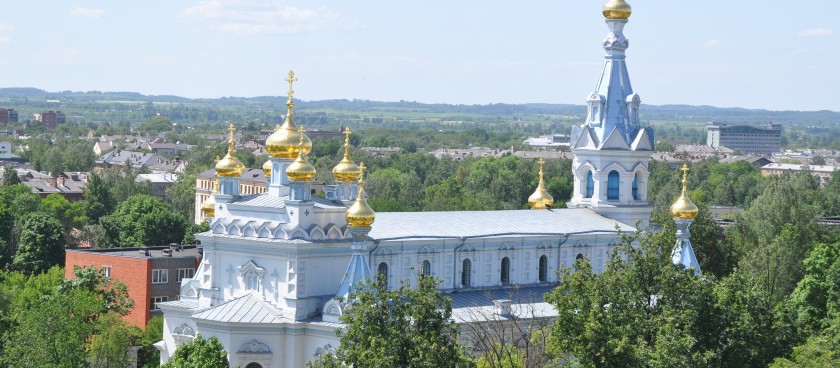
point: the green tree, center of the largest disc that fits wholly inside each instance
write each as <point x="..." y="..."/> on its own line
<point x="10" y="176"/>
<point x="816" y="298"/>
<point x="111" y="294"/>
<point x="199" y="353"/>
<point x="41" y="244"/>
<point x="821" y="350"/>
<point x="408" y="327"/>
<point x="149" y="356"/>
<point x="111" y="341"/>
<point x="52" y="332"/>
<point x="182" y="196"/>
<point x="143" y="220"/>
<point x="98" y="200"/>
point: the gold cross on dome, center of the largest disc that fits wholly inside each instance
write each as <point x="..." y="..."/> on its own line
<point x="291" y="79"/>
<point x="346" y="135"/>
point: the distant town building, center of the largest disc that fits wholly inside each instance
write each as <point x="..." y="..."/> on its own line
<point x="823" y="172"/>
<point x="764" y="140"/>
<point x="553" y="141"/>
<point x="102" y="147"/>
<point x="50" y="118"/>
<point x="70" y="185"/>
<point x="121" y="158"/>
<point x="8" y="116"/>
<point x="153" y="275"/>
<point x="754" y="160"/>
<point x="252" y="181"/>
<point x="159" y="182"/>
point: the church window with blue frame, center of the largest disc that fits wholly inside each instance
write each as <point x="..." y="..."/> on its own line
<point x="382" y="273"/>
<point x="612" y="185"/>
<point x="543" y="269"/>
<point x="505" y="276"/>
<point x="590" y="185"/>
<point x="427" y="268"/>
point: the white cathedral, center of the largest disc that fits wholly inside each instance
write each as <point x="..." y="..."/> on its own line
<point x="276" y="264"/>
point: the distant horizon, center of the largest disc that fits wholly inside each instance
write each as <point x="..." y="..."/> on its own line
<point x="406" y="101"/>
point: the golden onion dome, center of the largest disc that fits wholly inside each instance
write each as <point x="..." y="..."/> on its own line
<point x="301" y="169"/>
<point x="230" y="166"/>
<point x="541" y="199"/>
<point x="266" y="168"/>
<point x="684" y="208"/>
<point x="360" y="214"/>
<point x="617" y="9"/>
<point x="346" y="170"/>
<point x="208" y="208"/>
<point x="285" y="141"/>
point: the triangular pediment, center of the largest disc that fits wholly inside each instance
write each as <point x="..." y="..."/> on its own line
<point x="643" y="141"/>
<point x="586" y="139"/>
<point x="615" y="141"/>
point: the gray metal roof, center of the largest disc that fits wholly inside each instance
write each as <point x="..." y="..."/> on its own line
<point x="516" y="294"/>
<point x="474" y="224"/>
<point x="249" y="308"/>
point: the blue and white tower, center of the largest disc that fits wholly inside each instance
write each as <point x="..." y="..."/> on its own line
<point x="612" y="150"/>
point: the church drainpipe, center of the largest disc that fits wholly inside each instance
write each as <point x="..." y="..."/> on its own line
<point x="560" y="244"/>
<point x="455" y="262"/>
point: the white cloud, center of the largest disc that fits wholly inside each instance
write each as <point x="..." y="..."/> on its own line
<point x="816" y="32"/>
<point x="87" y="13"/>
<point x="254" y="17"/>
<point x="711" y="43"/>
<point x="5" y="30"/>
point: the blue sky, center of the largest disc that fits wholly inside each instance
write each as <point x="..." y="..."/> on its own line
<point x="773" y="55"/>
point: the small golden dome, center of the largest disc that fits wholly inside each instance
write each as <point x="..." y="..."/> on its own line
<point x="360" y="214"/>
<point x="617" y="9"/>
<point x="684" y="208"/>
<point x="284" y="142"/>
<point x="230" y="166"/>
<point x="541" y="199"/>
<point x="301" y="169"/>
<point x="266" y="168"/>
<point x="208" y="208"/>
<point x="346" y="170"/>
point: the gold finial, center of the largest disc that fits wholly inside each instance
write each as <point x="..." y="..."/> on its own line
<point x="230" y="165"/>
<point x="617" y="9"/>
<point x="360" y="215"/>
<point x="232" y="129"/>
<point x="346" y="170"/>
<point x="684" y="208"/>
<point x="541" y="199"/>
<point x="277" y="127"/>
<point x="301" y="169"/>
<point x="291" y="79"/>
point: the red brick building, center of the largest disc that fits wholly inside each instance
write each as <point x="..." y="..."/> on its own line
<point x="8" y="116"/>
<point x="152" y="274"/>
<point x="50" y="118"/>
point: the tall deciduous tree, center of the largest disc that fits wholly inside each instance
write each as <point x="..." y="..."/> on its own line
<point x="41" y="244"/>
<point x="143" y="220"/>
<point x="10" y="176"/>
<point x="98" y="200"/>
<point x="199" y="353"/>
<point x="408" y="327"/>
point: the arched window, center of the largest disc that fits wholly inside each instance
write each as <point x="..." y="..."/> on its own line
<point x="579" y="256"/>
<point x="382" y="273"/>
<point x="590" y="185"/>
<point x="612" y="185"/>
<point x="466" y="269"/>
<point x="636" y="187"/>
<point x="543" y="269"/>
<point x="427" y="268"/>
<point x="253" y="365"/>
<point x="505" y="275"/>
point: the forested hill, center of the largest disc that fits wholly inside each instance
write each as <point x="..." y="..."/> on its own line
<point x="687" y="113"/>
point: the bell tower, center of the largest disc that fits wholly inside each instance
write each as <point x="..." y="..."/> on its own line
<point x="611" y="148"/>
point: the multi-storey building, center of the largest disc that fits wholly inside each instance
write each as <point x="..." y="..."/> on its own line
<point x="153" y="274"/>
<point x="822" y="172"/>
<point x="8" y="116"/>
<point x="764" y="140"/>
<point x="50" y="118"/>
